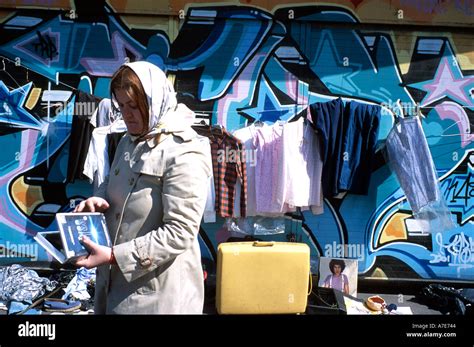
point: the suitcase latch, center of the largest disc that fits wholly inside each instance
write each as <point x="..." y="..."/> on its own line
<point x="263" y="244"/>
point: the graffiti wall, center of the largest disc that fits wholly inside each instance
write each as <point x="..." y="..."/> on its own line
<point x="236" y="64"/>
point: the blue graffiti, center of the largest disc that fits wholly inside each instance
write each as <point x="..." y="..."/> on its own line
<point x="242" y="64"/>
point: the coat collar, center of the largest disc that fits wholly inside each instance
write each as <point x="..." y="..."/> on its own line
<point x="185" y="134"/>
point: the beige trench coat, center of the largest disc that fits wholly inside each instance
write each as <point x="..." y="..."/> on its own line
<point x="157" y="192"/>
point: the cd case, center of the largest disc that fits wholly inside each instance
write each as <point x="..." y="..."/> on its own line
<point x="71" y="227"/>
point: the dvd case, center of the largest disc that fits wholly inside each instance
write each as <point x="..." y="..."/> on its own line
<point x="72" y="226"/>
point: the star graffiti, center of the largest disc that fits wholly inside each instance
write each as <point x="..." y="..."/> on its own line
<point x="12" y="112"/>
<point x="269" y="108"/>
<point x="448" y="81"/>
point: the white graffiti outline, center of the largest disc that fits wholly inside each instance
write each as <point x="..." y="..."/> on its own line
<point x="459" y="252"/>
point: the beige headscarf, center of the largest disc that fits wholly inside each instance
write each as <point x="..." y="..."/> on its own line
<point x="160" y="94"/>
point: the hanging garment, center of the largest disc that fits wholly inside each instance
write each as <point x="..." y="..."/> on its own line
<point x="358" y="147"/>
<point x="348" y="136"/>
<point x="287" y="170"/>
<point x="410" y="159"/>
<point x="97" y="163"/>
<point x="209" y="215"/>
<point x="237" y="197"/>
<point x="328" y="120"/>
<point x="113" y="140"/>
<point x="300" y="179"/>
<point x="210" y="208"/>
<point x="81" y="134"/>
<point x="104" y="114"/>
<point x="268" y="143"/>
<point x="246" y="135"/>
<point x="228" y="167"/>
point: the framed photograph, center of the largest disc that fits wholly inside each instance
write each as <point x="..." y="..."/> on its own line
<point x="339" y="274"/>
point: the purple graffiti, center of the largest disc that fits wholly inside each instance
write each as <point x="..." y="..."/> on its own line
<point x="448" y="81"/>
<point x="451" y="110"/>
<point x="105" y="67"/>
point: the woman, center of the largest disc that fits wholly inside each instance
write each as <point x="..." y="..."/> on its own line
<point x="153" y="201"/>
<point x="337" y="280"/>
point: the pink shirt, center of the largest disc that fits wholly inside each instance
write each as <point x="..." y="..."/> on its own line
<point x="269" y="146"/>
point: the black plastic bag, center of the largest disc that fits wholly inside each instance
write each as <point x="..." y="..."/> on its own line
<point x="448" y="300"/>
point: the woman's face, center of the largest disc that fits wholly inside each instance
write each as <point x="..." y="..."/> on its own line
<point x="337" y="269"/>
<point x="130" y="112"/>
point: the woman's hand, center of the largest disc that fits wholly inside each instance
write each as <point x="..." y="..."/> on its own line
<point x="93" y="204"/>
<point x="98" y="255"/>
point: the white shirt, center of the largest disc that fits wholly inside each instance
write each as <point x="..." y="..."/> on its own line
<point x="210" y="208"/>
<point x="246" y="135"/>
<point x="300" y="180"/>
<point x="97" y="164"/>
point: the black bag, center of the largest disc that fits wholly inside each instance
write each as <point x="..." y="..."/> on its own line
<point x="448" y="300"/>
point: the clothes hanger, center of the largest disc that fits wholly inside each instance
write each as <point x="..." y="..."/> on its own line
<point x="258" y="123"/>
<point x="201" y="119"/>
<point x="218" y="128"/>
<point x="202" y="128"/>
<point x="280" y="123"/>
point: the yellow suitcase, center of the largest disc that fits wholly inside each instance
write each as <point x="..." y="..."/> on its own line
<point x="262" y="277"/>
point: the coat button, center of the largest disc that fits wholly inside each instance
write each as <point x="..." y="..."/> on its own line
<point x="116" y="172"/>
<point x="131" y="180"/>
<point x="145" y="262"/>
<point x="117" y="216"/>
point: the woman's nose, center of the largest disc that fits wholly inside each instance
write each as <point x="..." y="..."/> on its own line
<point x="126" y="112"/>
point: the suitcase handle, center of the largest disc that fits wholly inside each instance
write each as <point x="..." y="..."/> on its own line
<point x="263" y="244"/>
